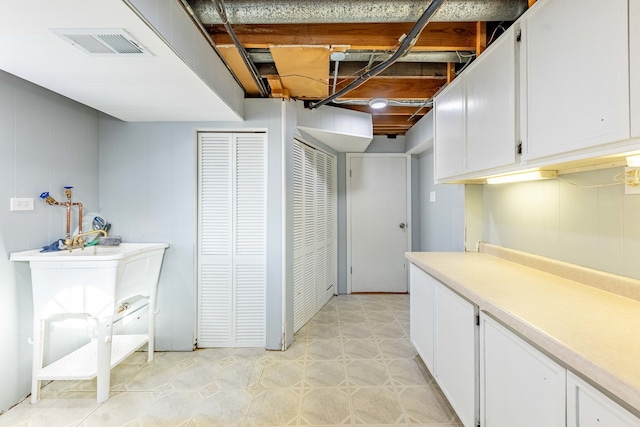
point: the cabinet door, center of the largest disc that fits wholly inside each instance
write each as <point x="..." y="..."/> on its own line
<point x="634" y="66"/>
<point x="519" y="386"/>
<point x="449" y="130"/>
<point x="577" y="75"/>
<point x="455" y="352"/>
<point x="587" y="407"/>
<point x="421" y="314"/>
<point x="491" y="106"/>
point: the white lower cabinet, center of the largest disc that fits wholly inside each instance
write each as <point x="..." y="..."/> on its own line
<point x="421" y="303"/>
<point x="520" y="386"/>
<point x="587" y="407"/>
<point x="444" y="332"/>
<point x="455" y="352"/>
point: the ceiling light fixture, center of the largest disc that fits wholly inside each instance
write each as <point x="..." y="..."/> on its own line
<point x="523" y="176"/>
<point x="378" y="103"/>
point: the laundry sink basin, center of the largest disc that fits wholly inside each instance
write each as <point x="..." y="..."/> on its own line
<point x="96" y="281"/>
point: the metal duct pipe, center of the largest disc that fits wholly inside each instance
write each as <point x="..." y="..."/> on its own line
<point x="404" y="47"/>
<point x="259" y="56"/>
<point x="220" y="9"/>
<point x="356" y="11"/>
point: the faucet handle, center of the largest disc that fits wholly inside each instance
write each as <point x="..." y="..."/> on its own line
<point x="44" y="195"/>
<point x="67" y="187"/>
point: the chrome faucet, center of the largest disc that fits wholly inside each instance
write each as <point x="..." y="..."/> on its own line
<point x="51" y="201"/>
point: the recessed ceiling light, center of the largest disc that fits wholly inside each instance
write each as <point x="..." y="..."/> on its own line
<point x="378" y="103"/>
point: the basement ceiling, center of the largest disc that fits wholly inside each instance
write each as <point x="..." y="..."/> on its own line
<point x="292" y="44"/>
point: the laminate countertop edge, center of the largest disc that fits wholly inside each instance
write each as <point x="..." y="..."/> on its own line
<point x="593" y="332"/>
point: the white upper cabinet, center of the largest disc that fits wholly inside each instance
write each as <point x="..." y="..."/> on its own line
<point x="634" y="58"/>
<point x="475" y="116"/>
<point x="575" y="80"/>
<point x="491" y="106"/>
<point x="449" y="130"/>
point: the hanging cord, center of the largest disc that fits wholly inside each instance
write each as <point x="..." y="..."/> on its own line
<point x="405" y="47"/>
<point x="255" y="75"/>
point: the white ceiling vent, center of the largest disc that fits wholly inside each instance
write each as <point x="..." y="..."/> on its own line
<point x="102" y="41"/>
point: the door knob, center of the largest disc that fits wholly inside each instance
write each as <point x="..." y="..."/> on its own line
<point x="402" y="225"/>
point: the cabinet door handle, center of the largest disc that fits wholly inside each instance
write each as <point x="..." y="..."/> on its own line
<point x="402" y="225"/>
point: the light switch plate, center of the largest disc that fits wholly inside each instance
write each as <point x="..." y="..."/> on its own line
<point x="432" y="196"/>
<point x="21" y="204"/>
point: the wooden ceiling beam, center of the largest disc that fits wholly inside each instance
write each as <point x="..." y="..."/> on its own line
<point x="405" y="111"/>
<point x="437" y="36"/>
<point x="399" y="69"/>
<point x="393" y="88"/>
<point x="481" y="37"/>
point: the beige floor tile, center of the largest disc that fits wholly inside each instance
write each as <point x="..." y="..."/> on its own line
<point x="324" y="331"/>
<point x="352" y="316"/>
<point x="198" y="376"/>
<point x="170" y="409"/>
<point x="211" y="354"/>
<point x="224" y="408"/>
<point x="348" y="304"/>
<point x="388" y="330"/>
<point x="279" y="374"/>
<point x="325" y="374"/>
<point x="356" y="331"/>
<point x="325" y="406"/>
<point x="122" y="409"/>
<point x="426" y="404"/>
<point x="367" y="373"/>
<point x="239" y="375"/>
<point x="152" y="377"/>
<point x="397" y="348"/>
<point x="361" y="349"/>
<point x="249" y="354"/>
<point x="274" y="407"/>
<point x="296" y="351"/>
<point x="325" y="350"/>
<point x="408" y="372"/>
<point x="376" y="405"/>
<point x="381" y="316"/>
<point x="322" y="317"/>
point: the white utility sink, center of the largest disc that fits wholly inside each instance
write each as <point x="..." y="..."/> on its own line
<point x="98" y="281"/>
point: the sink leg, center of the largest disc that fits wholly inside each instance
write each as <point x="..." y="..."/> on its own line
<point x="104" y="358"/>
<point x="152" y="328"/>
<point x="38" y="331"/>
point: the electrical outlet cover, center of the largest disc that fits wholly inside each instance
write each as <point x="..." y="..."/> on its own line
<point x="21" y="204"/>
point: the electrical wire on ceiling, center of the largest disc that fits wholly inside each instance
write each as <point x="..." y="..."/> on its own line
<point x="244" y="55"/>
<point x="405" y="46"/>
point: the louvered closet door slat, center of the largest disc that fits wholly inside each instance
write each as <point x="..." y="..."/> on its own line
<point x="215" y="306"/>
<point x="298" y="294"/>
<point x="298" y="198"/>
<point x="250" y="305"/>
<point x="321" y="198"/>
<point x="250" y="189"/>
<point x="309" y="198"/>
<point x="215" y="195"/>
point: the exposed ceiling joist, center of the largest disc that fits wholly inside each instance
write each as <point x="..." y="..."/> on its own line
<point x="395" y="88"/>
<point x="437" y="36"/>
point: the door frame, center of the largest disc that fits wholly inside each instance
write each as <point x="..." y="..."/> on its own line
<point x="347" y="170"/>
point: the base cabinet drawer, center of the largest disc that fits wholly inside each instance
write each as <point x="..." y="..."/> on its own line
<point x="520" y="386"/>
<point x="587" y="407"/>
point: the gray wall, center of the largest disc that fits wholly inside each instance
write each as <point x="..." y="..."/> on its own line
<point x="382" y="144"/>
<point x="582" y="218"/>
<point x="441" y="223"/>
<point x="46" y="142"/>
<point x="148" y="191"/>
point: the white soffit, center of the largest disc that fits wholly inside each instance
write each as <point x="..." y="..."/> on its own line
<point x="341" y="142"/>
<point x="155" y="87"/>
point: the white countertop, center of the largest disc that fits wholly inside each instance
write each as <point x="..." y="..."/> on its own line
<point x="593" y="332"/>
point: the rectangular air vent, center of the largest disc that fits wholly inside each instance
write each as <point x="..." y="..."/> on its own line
<point x="102" y="41"/>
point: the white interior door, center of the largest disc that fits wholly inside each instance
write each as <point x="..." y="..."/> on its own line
<point x="378" y="231"/>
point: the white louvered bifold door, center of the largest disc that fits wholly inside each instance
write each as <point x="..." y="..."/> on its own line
<point x="314" y="256"/>
<point x="232" y="236"/>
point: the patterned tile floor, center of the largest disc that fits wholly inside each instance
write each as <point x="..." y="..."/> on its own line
<point x="351" y="365"/>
